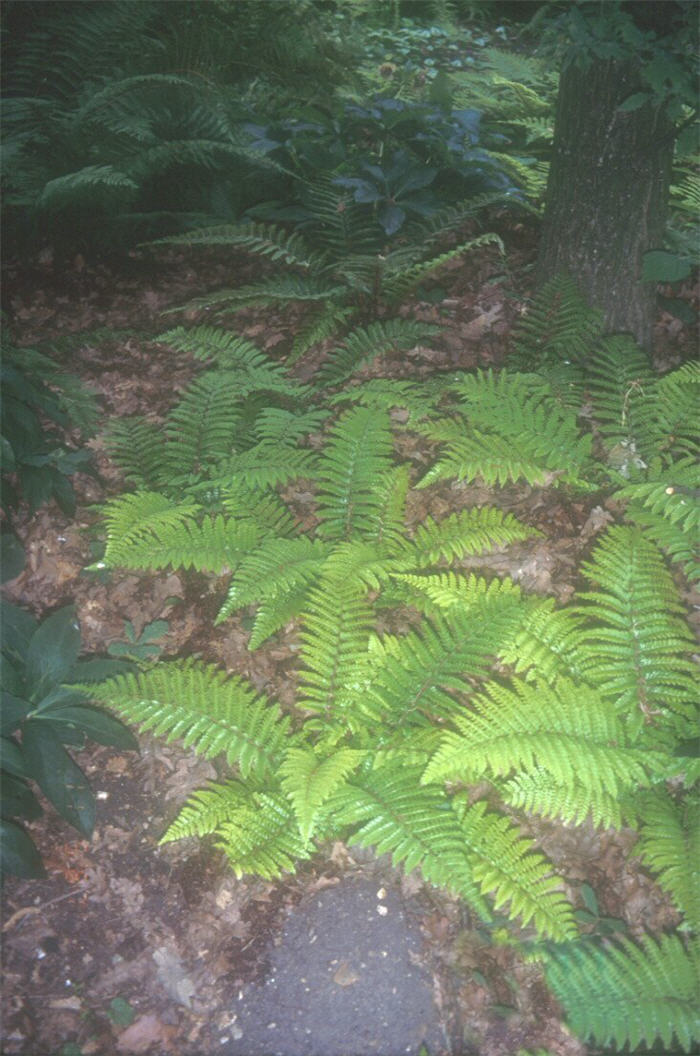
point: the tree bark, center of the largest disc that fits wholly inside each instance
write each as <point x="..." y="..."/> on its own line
<point x="607" y="193"/>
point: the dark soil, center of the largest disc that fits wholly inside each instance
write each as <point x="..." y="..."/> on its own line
<point x="132" y="947"/>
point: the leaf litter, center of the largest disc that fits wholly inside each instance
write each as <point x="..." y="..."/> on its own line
<point x="168" y="930"/>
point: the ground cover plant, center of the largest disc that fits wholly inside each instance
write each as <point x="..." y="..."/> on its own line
<point x="355" y="522"/>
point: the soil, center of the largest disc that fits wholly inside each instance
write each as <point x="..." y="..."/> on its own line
<point x="128" y="946"/>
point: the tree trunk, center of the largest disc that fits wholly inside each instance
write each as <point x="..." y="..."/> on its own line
<point x="607" y="193"/>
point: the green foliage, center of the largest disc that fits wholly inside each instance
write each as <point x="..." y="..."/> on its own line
<point x="507" y="427"/>
<point x="40" y="404"/>
<point x="628" y="993"/>
<point x="40" y="715"/>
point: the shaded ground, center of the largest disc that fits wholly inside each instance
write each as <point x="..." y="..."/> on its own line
<point x="128" y="947"/>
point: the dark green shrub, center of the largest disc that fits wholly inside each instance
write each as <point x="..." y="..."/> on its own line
<point x="40" y="717"/>
<point x="40" y="406"/>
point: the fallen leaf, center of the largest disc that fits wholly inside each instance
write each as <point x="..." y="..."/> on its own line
<point x="345" y="975"/>
<point x="145" y="1032"/>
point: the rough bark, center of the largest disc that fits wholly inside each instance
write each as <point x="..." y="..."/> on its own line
<point x="607" y="193"/>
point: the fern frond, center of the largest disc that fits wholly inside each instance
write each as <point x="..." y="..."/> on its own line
<point x="547" y="646"/>
<point x="364" y="344"/>
<point x="620" y="380"/>
<point x="93" y="179"/>
<point x="135" y="524"/>
<point x="327" y="322"/>
<point x="202" y="428"/>
<point x="635" y="634"/>
<point x="262" y="837"/>
<point x="624" y="994"/>
<point x="394" y="814"/>
<point x="309" y="781"/>
<point x="447" y="590"/>
<point x="673" y="426"/>
<point x="566" y="730"/>
<point x="336" y="625"/>
<point x="206" y="809"/>
<point x="385" y="394"/>
<point x="265" y="465"/>
<point x="224" y="349"/>
<point x="670" y="845"/>
<point x="537" y="792"/>
<point x="512" y="429"/>
<point x="262" y="239"/>
<point x="276" y="568"/>
<point x="358" y="452"/>
<point x="136" y="446"/>
<point x="468" y="532"/>
<point x="397" y="286"/>
<point x="557" y="326"/>
<point x="279" y="289"/>
<point x="667" y="506"/>
<point x="209" y="712"/>
<point x="510" y="869"/>
<point x="415" y="685"/>
<point x="275" y="425"/>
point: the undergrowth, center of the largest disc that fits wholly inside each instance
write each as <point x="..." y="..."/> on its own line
<point x="439" y="709"/>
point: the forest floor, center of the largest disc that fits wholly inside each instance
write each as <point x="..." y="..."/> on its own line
<point x="130" y="947"/>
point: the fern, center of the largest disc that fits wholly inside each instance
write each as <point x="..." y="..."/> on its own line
<point x="277" y="568"/>
<point x="566" y="732"/>
<point x="634" y="634"/>
<point x="363" y="345"/>
<point x="509" y="428"/>
<point x="261" y="836"/>
<point x="358" y="452"/>
<point x="207" y="711"/>
<point x="626" y="993"/>
<point x="670" y="846"/>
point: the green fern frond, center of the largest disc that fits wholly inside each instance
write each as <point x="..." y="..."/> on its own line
<point x="398" y="285"/>
<point x="364" y="344"/>
<point x="670" y="845"/>
<point x="547" y="646"/>
<point x="512" y="871"/>
<point x="276" y="290"/>
<point x="557" y="326"/>
<point x="448" y="590"/>
<point x="135" y="523"/>
<point x="566" y="730"/>
<point x="327" y="322"/>
<point x="206" y="809"/>
<point x="309" y="781"/>
<point x="394" y="814"/>
<point x="537" y="792"/>
<point x="202" y="428"/>
<point x="262" y="837"/>
<point x="136" y="446"/>
<point x="263" y="239"/>
<point x="357" y="453"/>
<point x="224" y="349"/>
<point x="207" y="711"/>
<point x="673" y="426"/>
<point x="468" y="532"/>
<point x="265" y="465"/>
<point x="336" y="625"/>
<point x="512" y="428"/>
<point x="620" y="381"/>
<point x="422" y="680"/>
<point x="667" y="506"/>
<point x="276" y="567"/>
<point x="275" y="425"/>
<point x="386" y="394"/>
<point x="95" y="179"/>
<point x="635" y="635"/>
<point x="625" y="994"/>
